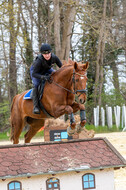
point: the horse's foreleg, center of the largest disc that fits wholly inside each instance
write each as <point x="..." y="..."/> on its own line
<point x="35" y="125"/>
<point x="72" y="121"/>
<point x="71" y="128"/>
<point x="62" y="109"/>
<point x="66" y="109"/>
<point x="83" y="118"/>
<point x="80" y="107"/>
<point x="82" y="115"/>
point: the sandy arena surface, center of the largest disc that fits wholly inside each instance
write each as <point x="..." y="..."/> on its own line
<point x="118" y="140"/>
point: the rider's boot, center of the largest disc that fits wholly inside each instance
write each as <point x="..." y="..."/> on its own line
<point x="36" y="109"/>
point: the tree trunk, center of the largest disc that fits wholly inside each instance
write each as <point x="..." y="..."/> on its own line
<point x="44" y="23"/>
<point x="12" y="52"/>
<point x="40" y="21"/>
<point x="100" y="53"/>
<point x="115" y="76"/>
<point x="69" y="18"/>
<point x="28" y="55"/>
<point x="28" y="61"/>
<point x="57" y="28"/>
<point x="1" y="98"/>
<point x="101" y="77"/>
<point x="124" y="16"/>
<point x="62" y="42"/>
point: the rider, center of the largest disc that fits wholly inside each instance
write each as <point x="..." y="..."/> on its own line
<point x="41" y="69"/>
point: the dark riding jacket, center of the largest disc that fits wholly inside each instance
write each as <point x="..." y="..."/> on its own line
<point x="41" y="65"/>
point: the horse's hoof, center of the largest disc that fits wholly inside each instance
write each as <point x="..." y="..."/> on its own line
<point x="72" y="125"/>
<point x="82" y="124"/>
<point x="79" y="128"/>
<point x="70" y="131"/>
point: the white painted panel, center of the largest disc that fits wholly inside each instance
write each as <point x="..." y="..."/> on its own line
<point x="68" y="181"/>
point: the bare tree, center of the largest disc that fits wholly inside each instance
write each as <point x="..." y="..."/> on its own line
<point x="64" y="18"/>
<point x="100" y="53"/>
<point x="12" y="52"/>
<point x="57" y="27"/>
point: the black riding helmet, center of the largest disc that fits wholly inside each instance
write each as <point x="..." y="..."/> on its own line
<point x="45" y="48"/>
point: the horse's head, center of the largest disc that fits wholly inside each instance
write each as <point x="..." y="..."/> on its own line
<point x="79" y="80"/>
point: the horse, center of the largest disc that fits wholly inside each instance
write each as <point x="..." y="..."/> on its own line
<point x="58" y="99"/>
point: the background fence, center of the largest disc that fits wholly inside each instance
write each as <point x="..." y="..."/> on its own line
<point x="109" y="116"/>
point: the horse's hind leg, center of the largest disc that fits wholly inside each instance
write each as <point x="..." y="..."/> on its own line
<point x="16" y="130"/>
<point x="17" y="122"/>
<point x="35" y="125"/>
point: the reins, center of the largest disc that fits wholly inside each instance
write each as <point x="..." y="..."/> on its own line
<point x="73" y="80"/>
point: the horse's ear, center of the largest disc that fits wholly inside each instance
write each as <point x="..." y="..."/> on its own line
<point x="86" y="65"/>
<point x="76" y="66"/>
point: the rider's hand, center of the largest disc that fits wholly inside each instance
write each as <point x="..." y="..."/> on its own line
<point x="44" y="77"/>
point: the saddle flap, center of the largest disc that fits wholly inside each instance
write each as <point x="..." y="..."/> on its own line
<point x="28" y="96"/>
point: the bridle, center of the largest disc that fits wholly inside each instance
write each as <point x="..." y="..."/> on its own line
<point x="82" y="91"/>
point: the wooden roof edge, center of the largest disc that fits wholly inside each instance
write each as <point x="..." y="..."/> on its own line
<point x="50" y="142"/>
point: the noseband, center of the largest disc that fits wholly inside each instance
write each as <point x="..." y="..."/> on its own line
<point x="82" y="91"/>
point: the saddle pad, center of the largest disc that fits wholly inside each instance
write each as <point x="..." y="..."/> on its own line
<point x="27" y="96"/>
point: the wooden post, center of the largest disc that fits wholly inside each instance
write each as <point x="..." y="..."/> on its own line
<point x="124" y="117"/>
<point x="109" y="116"/>
<point x="102" y="116"/>
<point x="117" y="115"/>
<point x="96" y="116"/>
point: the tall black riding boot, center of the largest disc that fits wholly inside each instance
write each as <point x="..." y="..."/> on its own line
<point x="36" y="109"/>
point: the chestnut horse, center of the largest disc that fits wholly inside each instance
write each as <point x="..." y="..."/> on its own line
<point x="58" y="99"/>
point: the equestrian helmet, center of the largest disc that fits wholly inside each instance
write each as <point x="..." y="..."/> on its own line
<point x="45" y="48"/>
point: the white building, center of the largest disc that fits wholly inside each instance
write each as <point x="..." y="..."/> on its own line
<point x="71" y="165"/>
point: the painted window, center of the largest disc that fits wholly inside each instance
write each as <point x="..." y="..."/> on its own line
<point x="14" y="185"/>
<point x="88" y="181"/>
<point x="53" y="184"/>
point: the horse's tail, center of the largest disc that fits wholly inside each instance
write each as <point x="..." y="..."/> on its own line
<point x="11" y="120"/>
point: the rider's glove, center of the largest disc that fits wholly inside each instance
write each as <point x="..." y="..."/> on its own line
<point x="44" y="77"/>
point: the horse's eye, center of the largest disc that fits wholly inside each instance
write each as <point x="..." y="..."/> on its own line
<point x="77" y="80"/>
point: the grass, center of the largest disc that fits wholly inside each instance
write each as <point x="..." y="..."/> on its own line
<point x="6" y="135"/>
<point x="105" y="129"/>
<point x="99" y="129"/>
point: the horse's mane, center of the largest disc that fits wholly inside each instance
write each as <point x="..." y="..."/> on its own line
<point x="62" y="68"/>
<point x="67" y="65"/>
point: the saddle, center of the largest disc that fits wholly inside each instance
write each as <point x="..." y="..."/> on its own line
<point x="28" y="96"/>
